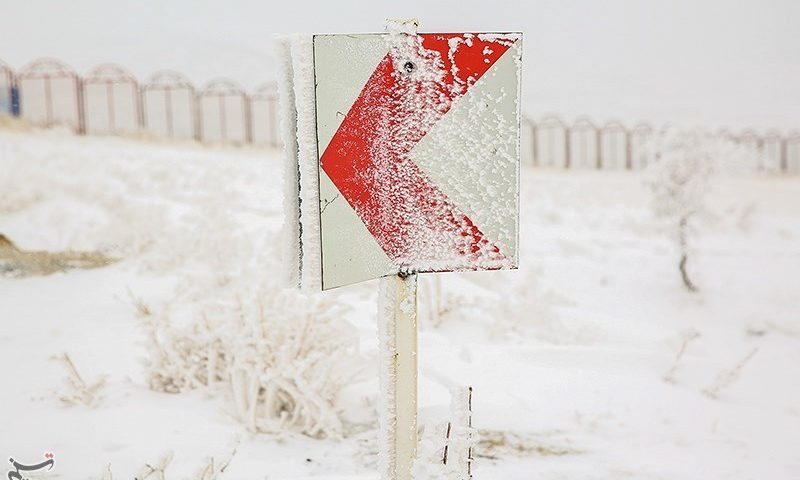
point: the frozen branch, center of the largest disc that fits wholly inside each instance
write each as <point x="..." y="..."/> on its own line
<point x="726" y="378"/>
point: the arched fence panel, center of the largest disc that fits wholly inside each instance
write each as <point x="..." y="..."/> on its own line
<point x="551" y="143"/>
<point x="772" y="152"/>
<point x="792" y="148"/>
<point x="527" y="142"/>
<point x="50" y="95"/>
<point x="751" y="144"/>
<point x="584" y="145"/>
<point x="111" y="101"/>
<point x="640" y="137"/>
<point x="264" y="115"/>
<point x="224" y="113"/>
<point x="168" y="102"/>
<point x="7" y="90"/>
<point x="615" y="147"/>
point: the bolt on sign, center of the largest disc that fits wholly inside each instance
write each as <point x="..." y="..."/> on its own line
<point x="418" y="143"/>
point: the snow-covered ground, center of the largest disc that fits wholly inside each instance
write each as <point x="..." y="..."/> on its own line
<point x="572" y="357"/>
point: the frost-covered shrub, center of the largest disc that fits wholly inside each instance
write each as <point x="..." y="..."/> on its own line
<point x="685" y="160"/>
<point x="290" y="358"/>
<point x="679" y="183"/>
<point x="284" y="355"/>
<point x="182" y="359"/>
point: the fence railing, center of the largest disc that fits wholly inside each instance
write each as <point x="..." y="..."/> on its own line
<point x="583" y="144"/>
<point x="110" y="100"/>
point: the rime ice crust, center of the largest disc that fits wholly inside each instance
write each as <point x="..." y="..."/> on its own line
<point x="292" y="255"/>
<point x="387" y="345"/>
<point x="303" y="79"/>
<point x="436" y="116"/>
<point x="397" y="344"/>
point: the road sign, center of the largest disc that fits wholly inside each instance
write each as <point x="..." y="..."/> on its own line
<point x="418" y="141"/>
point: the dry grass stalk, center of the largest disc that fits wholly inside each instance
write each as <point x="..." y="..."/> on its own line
<point x="727" y="378"/>
<point x="79" y="392"/>
<point x="157" y="472"/>
<point x="669" y="377"/>
<point x="140" y="307"/>
<point x="213" y="470"/>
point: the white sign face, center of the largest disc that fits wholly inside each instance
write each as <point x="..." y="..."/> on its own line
<point x="418" y="141"/>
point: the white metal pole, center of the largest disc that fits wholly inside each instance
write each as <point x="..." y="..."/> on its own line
<point x="398" y="377"/>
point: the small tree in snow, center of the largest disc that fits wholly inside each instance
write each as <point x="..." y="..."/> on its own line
<point x="680" y="174"/>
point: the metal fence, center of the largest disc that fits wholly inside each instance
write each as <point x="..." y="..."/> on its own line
<point x="110" y="100"/>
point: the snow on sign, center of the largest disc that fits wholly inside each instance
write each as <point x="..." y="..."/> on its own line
<point x="418" y="144"/>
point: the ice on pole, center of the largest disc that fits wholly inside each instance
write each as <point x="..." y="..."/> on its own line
<point x="397" y="344"/>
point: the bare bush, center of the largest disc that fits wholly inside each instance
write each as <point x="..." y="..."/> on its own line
<point x="685" y="160"/>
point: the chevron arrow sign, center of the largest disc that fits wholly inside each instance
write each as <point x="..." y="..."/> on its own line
<point x="418" y="143"/>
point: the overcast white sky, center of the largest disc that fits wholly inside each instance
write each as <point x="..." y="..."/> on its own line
<point x="715" y="63"/>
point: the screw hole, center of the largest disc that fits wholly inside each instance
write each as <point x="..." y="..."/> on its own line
<point x="409" y="67"/>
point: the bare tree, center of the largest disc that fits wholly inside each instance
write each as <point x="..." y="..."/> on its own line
<point x="679" y="183"/>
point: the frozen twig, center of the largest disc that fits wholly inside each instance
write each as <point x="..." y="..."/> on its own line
<point x="158" y="472"/>
<point x="446" y="442"/>
<point x="139" y="306"/>
<point x="684" y="252"/>
<point x="208" y="471"/>
<point x="78" y="391"/>
<point x="690" y="336"/>
<point x="214" y="470"/>
<point x="727" y="378"/>
<point x="228" y="461"/>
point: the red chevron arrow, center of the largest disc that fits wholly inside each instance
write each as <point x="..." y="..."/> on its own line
<point x="412" y="88"/>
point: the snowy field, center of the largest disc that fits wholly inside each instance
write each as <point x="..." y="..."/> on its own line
<point x="572" y="358"/>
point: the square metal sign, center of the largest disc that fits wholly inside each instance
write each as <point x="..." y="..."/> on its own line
<point x="418" y="143"/>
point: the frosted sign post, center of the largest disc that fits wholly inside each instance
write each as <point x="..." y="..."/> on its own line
<point x="402" y="158"/>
